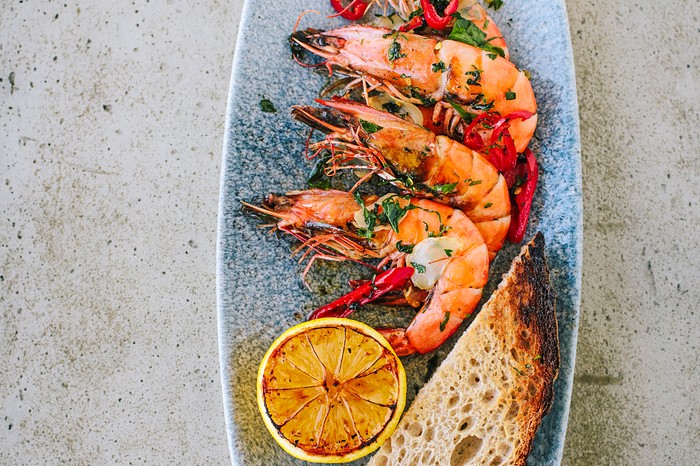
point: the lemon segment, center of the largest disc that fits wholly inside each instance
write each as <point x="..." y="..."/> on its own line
<point x="331" y="390"/>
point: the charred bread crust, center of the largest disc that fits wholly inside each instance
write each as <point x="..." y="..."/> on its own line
<point x="532" y="300"/>
<point x="539" y="312"/>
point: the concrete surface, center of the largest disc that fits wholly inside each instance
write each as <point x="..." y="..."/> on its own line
<point x="111" y="118"/>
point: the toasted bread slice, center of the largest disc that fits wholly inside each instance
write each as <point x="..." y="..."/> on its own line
<point x="486" y="400"/>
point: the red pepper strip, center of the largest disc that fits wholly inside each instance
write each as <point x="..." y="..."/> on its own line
<point x="433" y="18"/>
<point x="354" y="11"/>
<point x="520" y="212"/>
<point x="502" y="157"/>
<point x="472" y="139"/>
<point x="519" y="114"/>
<point x="416" y="22"/>
<point x="383" y="283"/>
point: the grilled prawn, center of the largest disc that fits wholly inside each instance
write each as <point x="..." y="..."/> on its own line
<point x="415" y="159"/>
<point x="445" y="249"/>
<point x="471" y="10"/>
<point x="428" y="70"/>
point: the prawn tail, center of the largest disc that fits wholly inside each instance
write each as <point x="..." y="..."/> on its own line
<point x="398" y="340"/>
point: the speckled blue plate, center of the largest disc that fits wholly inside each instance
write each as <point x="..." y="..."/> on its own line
<point x="260" y="293"/>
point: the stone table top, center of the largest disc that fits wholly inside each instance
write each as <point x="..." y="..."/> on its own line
<point x="111" y="125"/>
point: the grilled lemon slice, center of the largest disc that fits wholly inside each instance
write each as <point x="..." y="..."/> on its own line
<point x="331" y="390"/>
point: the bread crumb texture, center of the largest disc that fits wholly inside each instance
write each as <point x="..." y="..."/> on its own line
<point x="485" y="402"/>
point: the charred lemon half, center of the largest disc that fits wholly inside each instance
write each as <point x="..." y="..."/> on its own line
<point x="331" y="390"/>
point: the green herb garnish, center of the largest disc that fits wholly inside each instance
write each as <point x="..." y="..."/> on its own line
<point x="443" y="229"/>
<point x="317" y="178"/>
<point x="510" y="95"/>
<point x="370" y="127"/>
<point x="439" y="66"/>
<point x="466" y="116"/>
<point x="405" y="248"/>
<point x="481" y="104"/>
<point x="394" y="51"/>
<point x="444" y="321"/>
<point x="413" y="14"/>
<point x="495" y="4"/>
<point x="267" y="106"/>
<point x="393" y="212"/>
<point x="476" y="73"/>
<point x="420" y="268"/>
<point x="469" y="33"/>
<point x="444" y="188"/>
<point x="369" y="216"/>
<point x="391" y="107"/>
<point x="415" y="93"/>
<point x="449" y="252"/>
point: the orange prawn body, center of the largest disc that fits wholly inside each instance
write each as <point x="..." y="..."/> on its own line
<point x="447" y="251"/>
<point x="438" y="166"/>
<point x="429" y="69"/>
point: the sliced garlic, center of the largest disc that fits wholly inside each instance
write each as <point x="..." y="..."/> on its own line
<point x="430" y="258"/>
<point x="407" y="110"/>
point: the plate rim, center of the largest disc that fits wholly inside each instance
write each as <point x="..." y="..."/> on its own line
<point x="575" y="146"/>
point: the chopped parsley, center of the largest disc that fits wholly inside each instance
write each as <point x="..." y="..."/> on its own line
<point x="439" y="66"/>
<point x="495" y="4"/>
<point x="466" y="116"/>
<point x="267" y="106"/>
<point x="487" y="205"/>
<point x="393" y="212"/>
<point x="469" y="33"/>
<point x="443" y="229"/>
<point x="413" y="14"/>
<point x="394" y="52"/>
<point x="317" y="178"/>
<point x="492" y="56"/>
<point x="369" y="216"/>
<point x="420" y="268"/>
<point x="370" y="127"/>
<point x="406" y="180"/>
<point x="405" y="248"/>
<point x="481" y="104"/>
<point x="444" y="321"/>
<point x="449" y="252"/>
<point x="510" y="95"/>
<point x="415" y="93"/>
<point x="391" y="107"/>
<point x="476" y="76"/>
<point x="472" y="182"/>
<point x="446" y="188"/>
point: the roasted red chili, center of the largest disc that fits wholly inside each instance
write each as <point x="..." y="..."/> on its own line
<point x="528" y="172"/>
<point x="355" y="10"/>
<point x="392" y="279"/>
<point x="415" y="22"/>
<point x="433" y="18"/>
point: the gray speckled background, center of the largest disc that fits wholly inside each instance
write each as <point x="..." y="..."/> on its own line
<point x="260" y="292"/>
<point x="105" y="359"/>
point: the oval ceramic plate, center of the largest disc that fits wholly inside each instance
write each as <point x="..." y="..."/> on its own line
<point x="260" y="293"/>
